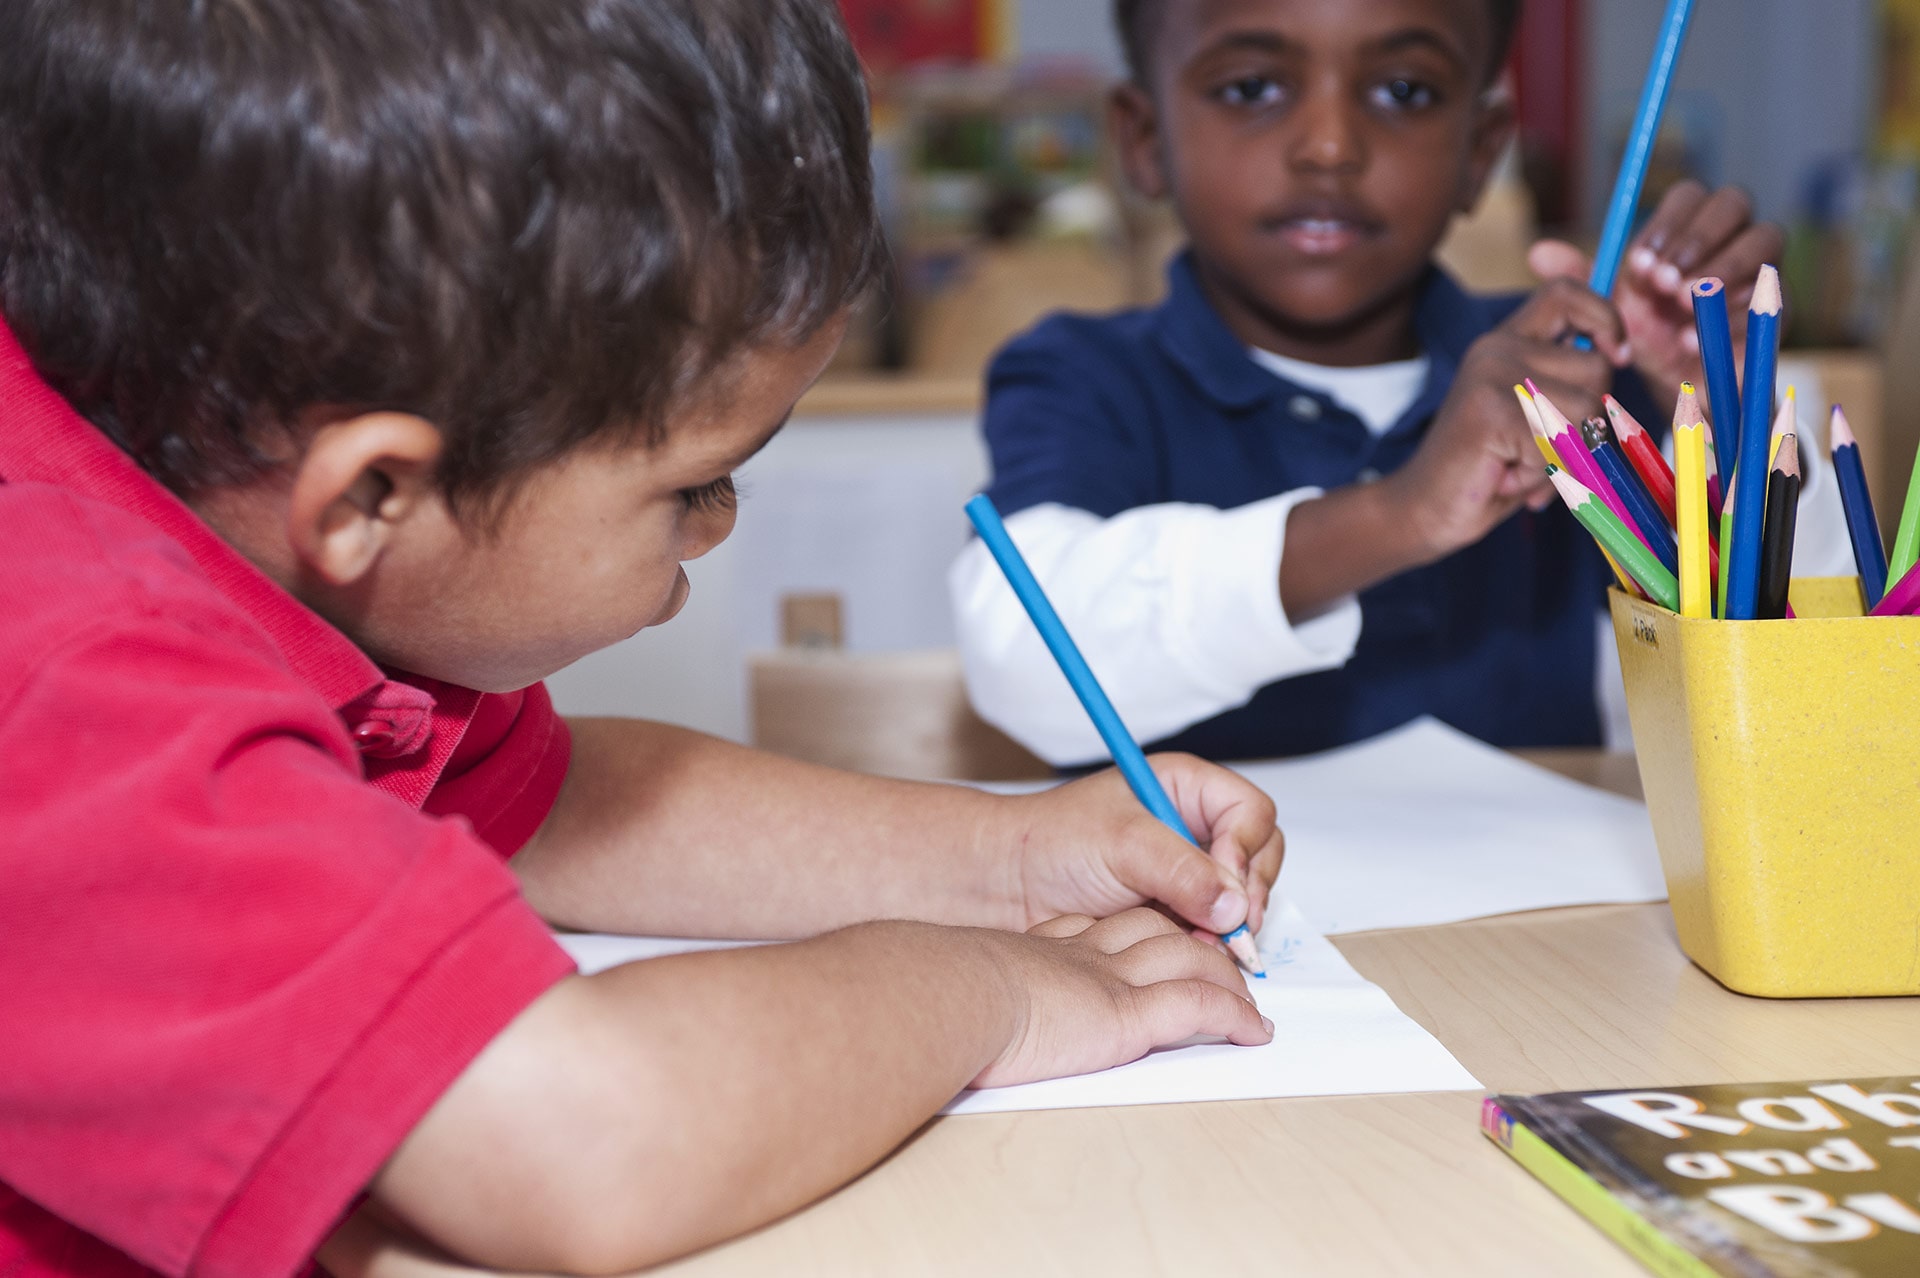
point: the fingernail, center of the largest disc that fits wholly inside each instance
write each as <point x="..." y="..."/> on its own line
<point x="1642" y="259"/>
<point x="1269" y="1024"/>
<point x="1667" y="276"/>
<point x="1229" y="911"/>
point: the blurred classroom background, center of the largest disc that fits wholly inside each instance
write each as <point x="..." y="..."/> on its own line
<point x="1002" y="206"/>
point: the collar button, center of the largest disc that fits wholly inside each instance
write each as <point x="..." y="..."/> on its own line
<point x="1305" y="407"/>
<point x="375" y="737"/>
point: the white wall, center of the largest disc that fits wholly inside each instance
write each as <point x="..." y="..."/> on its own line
<point x="868" y="508"/>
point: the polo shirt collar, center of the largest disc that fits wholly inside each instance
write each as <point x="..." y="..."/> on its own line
<point x="1197" y="338"/>
<point x="44" y="440"/>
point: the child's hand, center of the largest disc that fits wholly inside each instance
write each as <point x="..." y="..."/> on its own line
<point x="1090" y="847"/>
<point x="1691" y="234"/>
<point x="1478" y="463"/>
<point x="1100" y="994"/>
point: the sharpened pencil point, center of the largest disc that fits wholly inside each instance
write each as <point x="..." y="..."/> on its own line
<point x="1239" y="943"/>
<point x="1766" y="292"/>
<point x="1839" y="432"/>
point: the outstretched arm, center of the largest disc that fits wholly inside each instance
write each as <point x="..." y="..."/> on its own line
<point x="655" y="1108"/>
<point x="663" y="831"/>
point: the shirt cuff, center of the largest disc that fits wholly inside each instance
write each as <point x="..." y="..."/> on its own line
<point x="1226" y="580"/>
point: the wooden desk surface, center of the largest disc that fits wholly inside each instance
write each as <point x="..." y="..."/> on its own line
<point x="1351" y="1187"/>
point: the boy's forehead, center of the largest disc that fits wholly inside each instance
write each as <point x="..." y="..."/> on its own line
<point x="1188" y="27"/>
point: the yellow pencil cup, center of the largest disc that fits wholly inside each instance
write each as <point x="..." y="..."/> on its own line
<point x="1781" y="762"/>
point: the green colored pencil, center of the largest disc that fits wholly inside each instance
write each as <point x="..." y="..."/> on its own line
<point x="1906" y="542"/>
<point x="1617" y="540"/>
<point x="1726" y="542"/>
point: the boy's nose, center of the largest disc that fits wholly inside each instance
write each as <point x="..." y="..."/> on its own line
<point x="1326" y="136"/>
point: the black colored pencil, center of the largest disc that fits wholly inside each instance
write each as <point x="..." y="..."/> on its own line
<point x="1776" y="542"/>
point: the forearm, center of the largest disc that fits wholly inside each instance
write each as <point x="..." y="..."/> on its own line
<point x="1343" y="542"/>
<point x="656" y="1108"/>
<point x="662" y="831"/>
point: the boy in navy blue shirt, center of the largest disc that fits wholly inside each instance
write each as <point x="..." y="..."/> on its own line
<point x="1295" y="505"/>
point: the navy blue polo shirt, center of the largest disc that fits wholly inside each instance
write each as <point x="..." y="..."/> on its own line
<point x="1105" y="414"/>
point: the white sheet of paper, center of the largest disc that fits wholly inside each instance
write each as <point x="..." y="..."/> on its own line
<point x="1337" y="1034"/>
<point x="1427" y="825"/>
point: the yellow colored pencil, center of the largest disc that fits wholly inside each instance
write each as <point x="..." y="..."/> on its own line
<point x="1690" y="502"/>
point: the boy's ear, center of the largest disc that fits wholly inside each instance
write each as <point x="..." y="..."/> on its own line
<point x="361" y="481"/>
<point x="1134" y="124"/>
<point x="1495" y="122"/>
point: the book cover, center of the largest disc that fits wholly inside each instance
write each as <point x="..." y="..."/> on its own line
<point x="1738" y="1180"/>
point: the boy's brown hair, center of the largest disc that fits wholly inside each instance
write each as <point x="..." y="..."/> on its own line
<point x="531" y="222"/>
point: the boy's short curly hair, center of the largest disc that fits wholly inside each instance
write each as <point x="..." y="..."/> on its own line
<point x="532" y="222"/>
<point x="1137" y="21"/>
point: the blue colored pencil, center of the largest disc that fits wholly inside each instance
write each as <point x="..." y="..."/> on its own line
<point x="1639" y="502"/>
<point x="1618" y="227"/>
<point x="1127" y="756"/>
<point x="1716" y="354"/>
<point x="1756" y="427"/>
<point x="1869" y="552"/>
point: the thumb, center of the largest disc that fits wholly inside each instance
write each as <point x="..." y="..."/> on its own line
<point x="1557" y="260"/>
<point x="1161" y="866"/>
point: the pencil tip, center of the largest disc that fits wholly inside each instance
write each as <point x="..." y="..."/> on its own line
<point x="1766" y="292"/>
<point x="1786" y="458"/>
<point x="1708" y="285"/>
<point x="1839" y="430"/>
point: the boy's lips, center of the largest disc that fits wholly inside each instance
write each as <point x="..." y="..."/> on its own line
<point x="1323" y="230"/>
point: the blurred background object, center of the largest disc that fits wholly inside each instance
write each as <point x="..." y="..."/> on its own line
<point x="1002" y="205"/>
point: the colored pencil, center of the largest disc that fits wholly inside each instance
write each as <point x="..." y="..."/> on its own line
<point x="1690" y="471"/>
<point x="1646" y="516"/>
<point x="1756" y="420"/>
<point x="1869" y="554"/>
<point x="1901" y="601"/>
<point x="1783" y="501"/>
<point x="1577" y="459"/>
<point x="1127" y="755"/>
<point x="1534" y="428"/>
<point x="1660" y="584"/>
<point x="1713" y="477"/>
<point x="1785" y="422"/>
<point x="1636" y="443"/>
<point x="1621" y="208"/>
<point x="1716" y="356"/>
<point x="1726" y="544"/>
<point x="1906" y="541"/>
<point x="1552" y="458"/>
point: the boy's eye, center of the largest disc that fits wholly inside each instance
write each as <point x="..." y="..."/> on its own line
<point x="717" y="496"/>
<point x="1403" y="95"/>
<point x="1250" y="90"/>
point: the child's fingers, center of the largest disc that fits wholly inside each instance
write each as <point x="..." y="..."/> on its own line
<point x="1723" y="216"/>
<point x="1675" y="210"/>
<point x="1739" y="262"/>
<point x="1064" y="926"/>
<point x="1178" y="957"/>
<point x="1562" y="308"/>
<point x="1130" y="927"/>
<point x="1174" y="1010"/>
<point x="1263" y="869"/>
<point x="1155" y="863"/>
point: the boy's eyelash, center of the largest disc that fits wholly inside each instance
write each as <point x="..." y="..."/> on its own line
<point x="716" y="496"/>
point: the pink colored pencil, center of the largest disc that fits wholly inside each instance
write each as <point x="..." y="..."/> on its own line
<point x="1903" y="600"/>
<point x="1579" y="462"/>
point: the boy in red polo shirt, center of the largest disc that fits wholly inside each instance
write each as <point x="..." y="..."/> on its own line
<point x="359" y="339"/>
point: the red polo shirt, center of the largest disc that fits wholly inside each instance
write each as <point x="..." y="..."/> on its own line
<point x="253" y="913"/>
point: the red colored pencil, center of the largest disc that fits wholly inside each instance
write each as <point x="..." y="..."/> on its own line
<point x="1643" y="454"/>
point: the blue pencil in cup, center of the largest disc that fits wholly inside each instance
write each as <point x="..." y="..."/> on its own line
<point x="1618" y="227"/>
<point x="1756" y="428"/>
<point x="1127" y="756"/>
<point x="1716" y="355"/>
